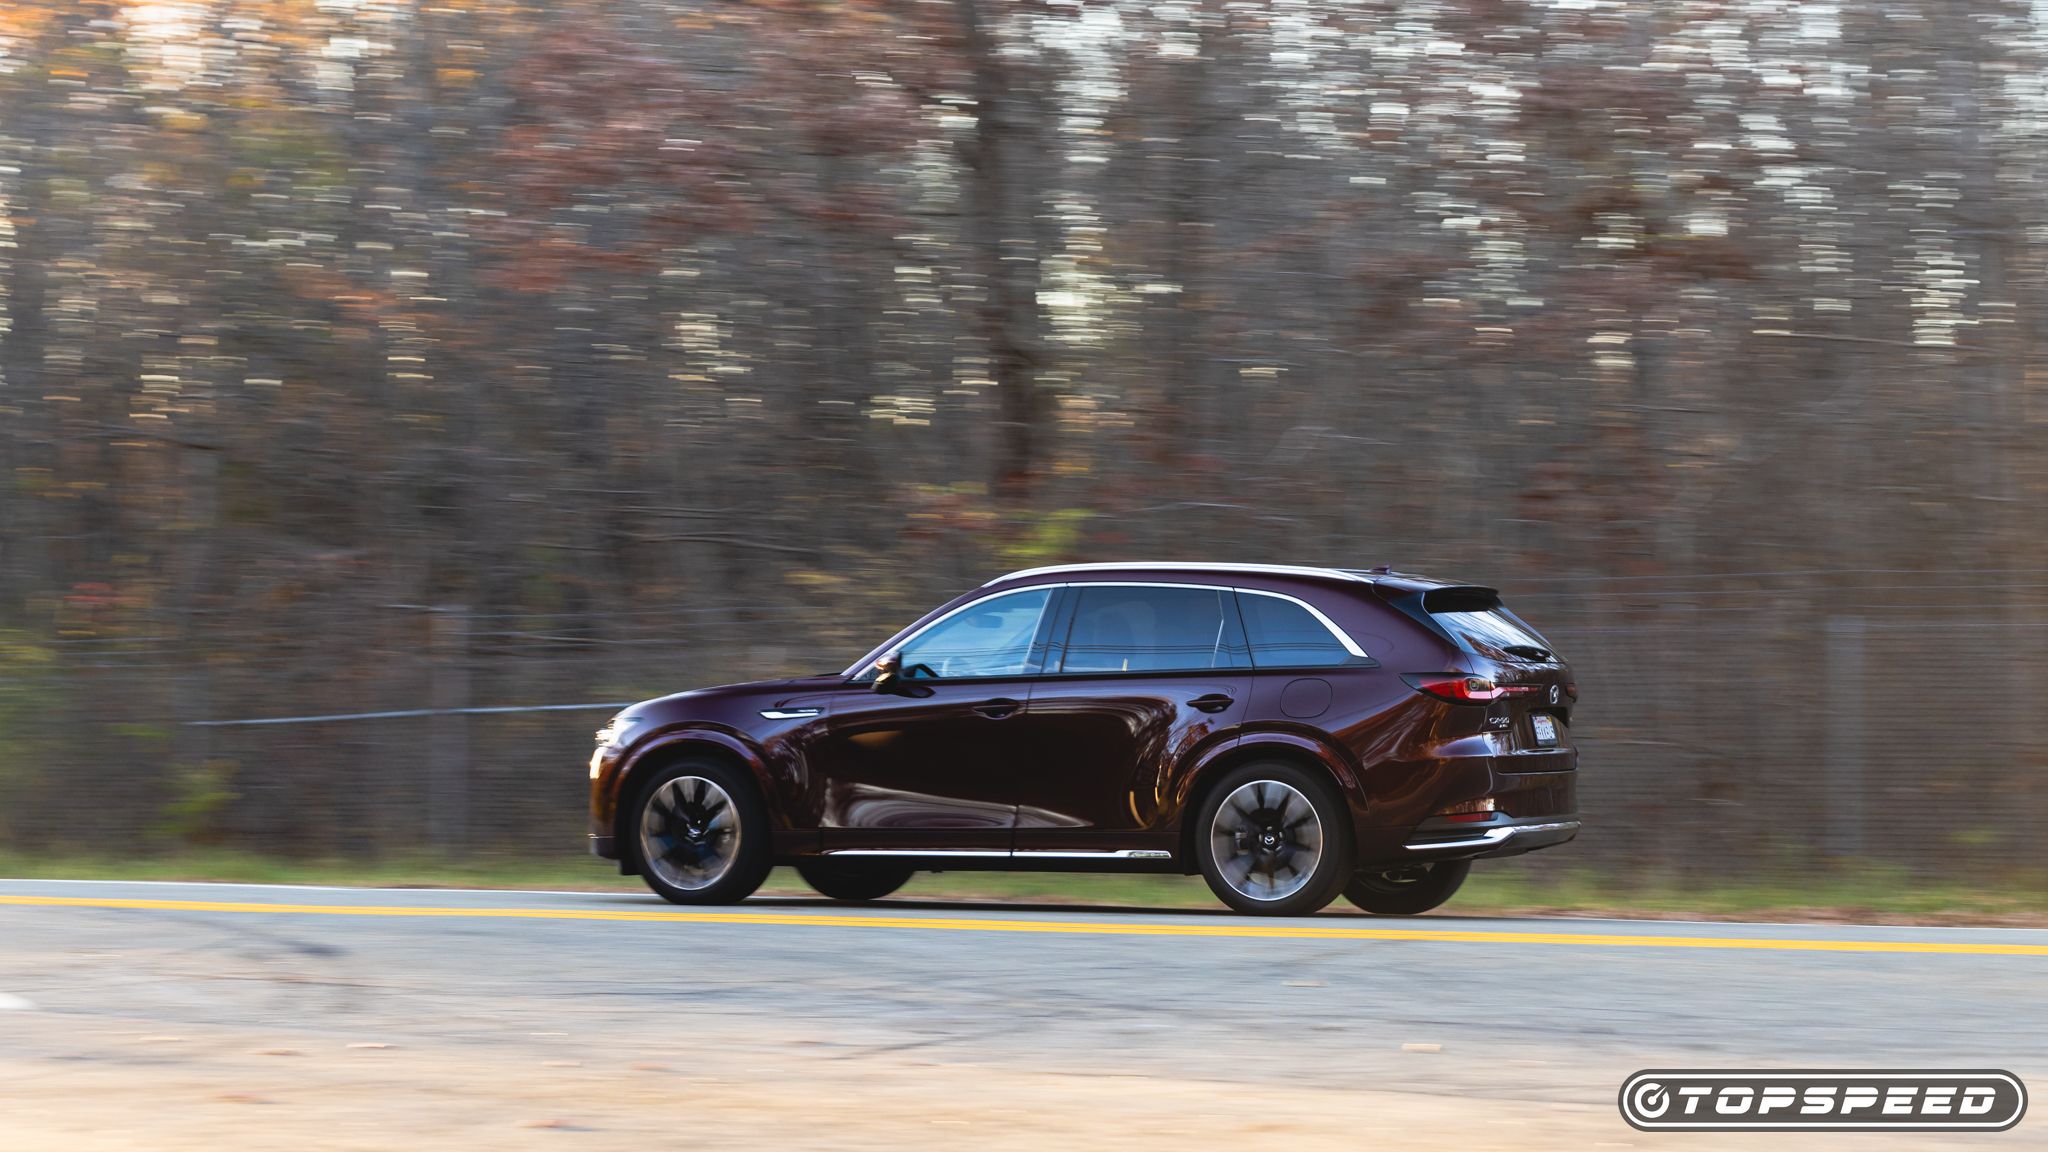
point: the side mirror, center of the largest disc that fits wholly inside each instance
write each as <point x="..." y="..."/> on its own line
<point x="889" y="672"/>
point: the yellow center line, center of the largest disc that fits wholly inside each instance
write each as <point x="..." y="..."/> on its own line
<point x="1293" y="930"/>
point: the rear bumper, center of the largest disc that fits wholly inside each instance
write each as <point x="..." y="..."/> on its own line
<point x="1507" y="838"/>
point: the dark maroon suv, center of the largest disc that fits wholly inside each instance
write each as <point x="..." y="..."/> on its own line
<point x="1290" y="733"/>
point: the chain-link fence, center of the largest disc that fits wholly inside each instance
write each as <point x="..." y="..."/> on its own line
<point x="1728" y="735"/>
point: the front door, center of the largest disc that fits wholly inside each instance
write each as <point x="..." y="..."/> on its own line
<point x="1145" y="679"/>
<point x="933" y="766"/>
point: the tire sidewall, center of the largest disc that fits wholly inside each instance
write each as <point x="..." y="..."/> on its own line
<point x="1445" y="878"/>
<point x="1333" y="870"/>
<point x="756" y="856"/>
<point x="853" y="883"/>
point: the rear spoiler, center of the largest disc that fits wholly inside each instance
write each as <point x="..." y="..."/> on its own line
<point x="1461" y="598"/>
<point x="1417" y="603"/>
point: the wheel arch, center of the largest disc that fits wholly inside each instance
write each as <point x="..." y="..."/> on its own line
<point x="1294" y="748"/>
<point x="664" y="751"/>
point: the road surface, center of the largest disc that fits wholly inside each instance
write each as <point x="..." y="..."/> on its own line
<point x="181" y="1016"/>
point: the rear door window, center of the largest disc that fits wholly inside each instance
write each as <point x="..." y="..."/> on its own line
<point x="1141" y="628"/>
<point x="1286" y="635"/>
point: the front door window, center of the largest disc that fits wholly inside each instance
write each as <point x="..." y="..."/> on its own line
<point x="992" y="638"/>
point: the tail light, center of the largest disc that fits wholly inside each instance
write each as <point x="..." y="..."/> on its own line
<point x="1464" y="689"/>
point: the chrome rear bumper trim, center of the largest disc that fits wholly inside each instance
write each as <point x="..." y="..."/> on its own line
<point x="1494" y="836"/>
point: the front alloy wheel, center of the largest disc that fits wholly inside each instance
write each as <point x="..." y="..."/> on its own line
<point x="702" y="835"/>
<point x="1272" y="841"/>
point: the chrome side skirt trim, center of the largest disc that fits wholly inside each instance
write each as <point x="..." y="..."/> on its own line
<point x="1026" y="854"/>
<point x="1063" y="854"/>
<point x="1494" y="836"/>
<point x="984" y="852"/>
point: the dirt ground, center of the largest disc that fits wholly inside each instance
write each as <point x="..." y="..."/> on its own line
<point x="119" y="1086"/>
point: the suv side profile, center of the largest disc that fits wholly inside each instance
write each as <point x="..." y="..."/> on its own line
<point x="1291" y="733"/>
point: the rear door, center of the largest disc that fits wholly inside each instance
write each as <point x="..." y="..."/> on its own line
<point x="1140" y="679"/>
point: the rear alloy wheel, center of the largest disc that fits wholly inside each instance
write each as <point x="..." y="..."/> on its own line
<point x="1408" y="891"/>
<point x="1274" y="840"/>
<point x="853" y="881"/>
<point x="701" y="834"/>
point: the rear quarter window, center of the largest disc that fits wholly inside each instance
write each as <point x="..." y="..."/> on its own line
<point x="1284" y="634"/>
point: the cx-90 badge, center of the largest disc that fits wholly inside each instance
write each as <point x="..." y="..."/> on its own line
<point x="1983" y="1100"/>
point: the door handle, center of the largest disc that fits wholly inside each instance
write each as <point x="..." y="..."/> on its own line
<point x="999" y="707"/>
<point x="1214" y="702"/>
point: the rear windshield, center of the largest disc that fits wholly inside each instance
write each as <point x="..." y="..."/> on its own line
<point x="1476" y="620"/>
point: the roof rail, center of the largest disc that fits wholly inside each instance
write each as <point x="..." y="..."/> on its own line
<point x="1183" y="566"/>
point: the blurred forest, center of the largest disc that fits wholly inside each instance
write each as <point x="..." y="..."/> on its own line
<point x="364" y="355"/>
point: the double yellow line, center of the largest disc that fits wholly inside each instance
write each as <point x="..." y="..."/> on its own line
<point x="1263" y="930"/>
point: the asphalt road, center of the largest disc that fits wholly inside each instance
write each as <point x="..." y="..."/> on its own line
<point x="219" y="1016"/>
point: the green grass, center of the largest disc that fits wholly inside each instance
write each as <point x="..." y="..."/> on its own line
<point x="1870" y="893"/>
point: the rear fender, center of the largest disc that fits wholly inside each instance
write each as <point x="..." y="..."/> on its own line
<point x="1256" y="745"/>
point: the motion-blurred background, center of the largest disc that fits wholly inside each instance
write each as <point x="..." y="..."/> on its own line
<point x="391" y="355"/>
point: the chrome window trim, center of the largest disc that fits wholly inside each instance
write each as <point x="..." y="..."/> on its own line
<point x="1342" y="636"/>
<point x="1351" y="646"/>
<point x="1186" y="566"/>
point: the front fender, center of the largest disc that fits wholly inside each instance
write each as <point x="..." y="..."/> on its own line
<point x="630" y="770"/>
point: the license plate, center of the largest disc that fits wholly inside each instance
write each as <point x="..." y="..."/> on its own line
<point x="1546" y="729"/>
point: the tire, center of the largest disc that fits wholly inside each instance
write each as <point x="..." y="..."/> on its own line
<point x="1280" y="821"/>
<point x="853" y="882"/>
<point x="1409" y="891"/>
<point x="700" y="833"/>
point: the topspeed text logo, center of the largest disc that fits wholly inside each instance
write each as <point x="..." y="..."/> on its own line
<point x="1681" y="1098"/>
